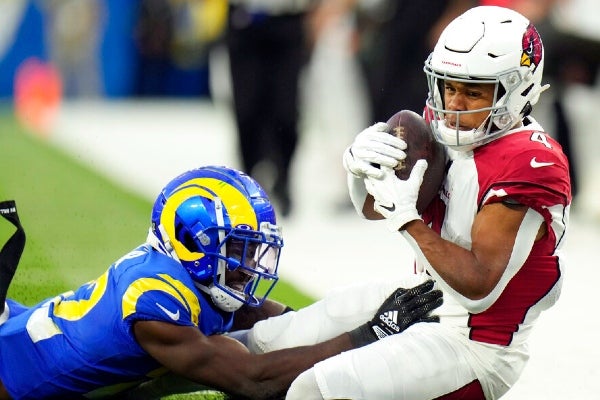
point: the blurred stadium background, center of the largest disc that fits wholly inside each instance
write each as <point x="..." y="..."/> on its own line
<point x="84" y="163"/>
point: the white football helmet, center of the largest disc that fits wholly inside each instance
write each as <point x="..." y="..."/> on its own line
<point x="493" y="45"/>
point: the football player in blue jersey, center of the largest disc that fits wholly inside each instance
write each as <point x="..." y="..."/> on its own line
<point x="212" y="250"/>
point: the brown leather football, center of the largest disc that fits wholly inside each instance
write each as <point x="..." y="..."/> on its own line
<point x="412" y="128"/>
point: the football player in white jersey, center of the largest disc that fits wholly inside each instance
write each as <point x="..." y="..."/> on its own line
<point x="493" y="238"/>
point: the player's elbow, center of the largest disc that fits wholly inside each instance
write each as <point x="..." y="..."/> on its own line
<point x="479" y="285"/>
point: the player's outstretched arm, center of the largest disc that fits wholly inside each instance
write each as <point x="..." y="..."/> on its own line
<point x="247" y="316"/>
<point x="225" y="364"/>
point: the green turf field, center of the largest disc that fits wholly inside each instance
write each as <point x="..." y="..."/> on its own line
<point x="76" y="221"/>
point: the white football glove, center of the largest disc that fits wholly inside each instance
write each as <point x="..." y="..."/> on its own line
<point x="373" y="146"/>
<point x="396" y="199"/>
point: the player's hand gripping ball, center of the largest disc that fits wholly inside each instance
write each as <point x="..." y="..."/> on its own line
<point x="415" y="131"/>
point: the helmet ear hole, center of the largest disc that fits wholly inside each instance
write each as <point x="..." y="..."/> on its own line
<point x="186" y="238"/>
<point x="527" y="108"/>
<point x="525" y="92"/>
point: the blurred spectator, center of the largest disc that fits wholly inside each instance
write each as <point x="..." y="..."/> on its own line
<point x="334" y="102"/>
<point x="267" y="47"/>
<point x="395" y="38"/>
<point x="153" y="36"/>
<point x="572" y="58"/>
<point x="74" y="29"/>
<point x="173" y="38"/>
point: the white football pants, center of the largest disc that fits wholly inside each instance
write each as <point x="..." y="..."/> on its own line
<point x="424" y="362"/>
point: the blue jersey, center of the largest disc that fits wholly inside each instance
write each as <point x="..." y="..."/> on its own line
<point x="82" y="342"/>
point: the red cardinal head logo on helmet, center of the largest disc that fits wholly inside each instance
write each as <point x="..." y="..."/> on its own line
<point x="532" y="47"/>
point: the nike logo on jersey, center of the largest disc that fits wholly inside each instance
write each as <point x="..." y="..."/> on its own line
<point x="391" y="208"/>
<point x="173" y="315"/>
<point x="538" y="164"/>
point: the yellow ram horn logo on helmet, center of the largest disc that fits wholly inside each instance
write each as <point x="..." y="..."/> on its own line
<point x="238" y="207"/>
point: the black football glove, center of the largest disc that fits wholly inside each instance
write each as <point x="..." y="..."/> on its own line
<point x="399" y="311"/>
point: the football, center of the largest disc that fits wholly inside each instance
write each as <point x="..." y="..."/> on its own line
<point x="415" y="131"/>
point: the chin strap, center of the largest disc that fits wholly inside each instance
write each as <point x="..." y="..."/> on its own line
<point x="165" y="248"/>
<point x="12" y="250"/>
<point x="224" y="300"/>
<point x="220" y="297"/>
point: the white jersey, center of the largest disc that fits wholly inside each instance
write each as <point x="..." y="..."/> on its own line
<point x="479" y="349"/>
<point x="525" y="167"/>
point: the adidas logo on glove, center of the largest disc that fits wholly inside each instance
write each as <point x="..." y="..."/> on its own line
<point x="390" y="318"/>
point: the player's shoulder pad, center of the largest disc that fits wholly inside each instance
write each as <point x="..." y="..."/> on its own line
<point x="528" y="155"/>
<point x="529" y="164"/>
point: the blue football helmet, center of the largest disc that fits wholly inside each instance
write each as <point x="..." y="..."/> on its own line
<point x="220" y="225"/>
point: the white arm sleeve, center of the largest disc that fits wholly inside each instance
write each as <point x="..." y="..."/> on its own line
<point x="358" y="192"/>
<point x="522" y="247"/>
<point x="341" y="310"/>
